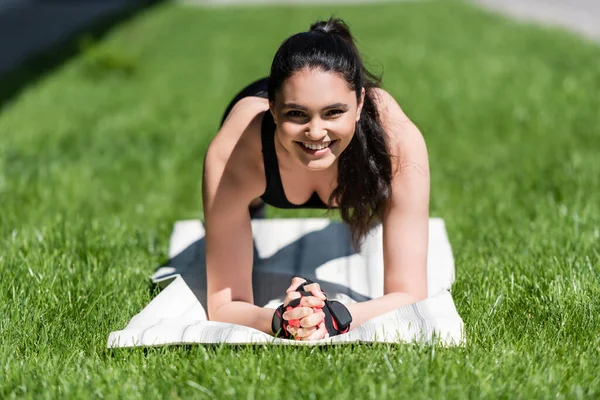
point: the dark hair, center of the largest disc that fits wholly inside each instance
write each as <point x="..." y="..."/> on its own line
<point x="364" y="170"/>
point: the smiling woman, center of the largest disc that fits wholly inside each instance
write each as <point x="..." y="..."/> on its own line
<point x="312" y="120"/>
<point x="319" y="132"/>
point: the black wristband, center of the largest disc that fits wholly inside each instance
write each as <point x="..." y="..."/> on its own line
<point x="337" y="318"/>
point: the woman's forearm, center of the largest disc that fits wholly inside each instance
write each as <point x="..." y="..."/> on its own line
<point x="365" y="310"/>
<point x="242" y="313"/>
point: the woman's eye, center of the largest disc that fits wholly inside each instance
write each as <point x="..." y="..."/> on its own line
<point x="333" y="113"/>
<point x="295" y="114"/>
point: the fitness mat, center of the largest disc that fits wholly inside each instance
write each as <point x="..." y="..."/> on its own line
<point x="314" y="248"/>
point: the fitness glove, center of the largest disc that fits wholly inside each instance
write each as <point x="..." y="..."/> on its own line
<point x="337" y="317"/>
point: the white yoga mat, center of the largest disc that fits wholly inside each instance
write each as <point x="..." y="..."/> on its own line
<point x="313" y="248"/>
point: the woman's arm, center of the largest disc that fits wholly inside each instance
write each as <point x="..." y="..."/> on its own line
<point x="406" y="220"/>
<point x="229" y="184"/>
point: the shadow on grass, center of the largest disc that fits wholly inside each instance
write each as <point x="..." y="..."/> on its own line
<point x="37" y="37"/>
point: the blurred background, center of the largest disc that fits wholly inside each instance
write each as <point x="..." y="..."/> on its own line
<point x="36" y="35"/>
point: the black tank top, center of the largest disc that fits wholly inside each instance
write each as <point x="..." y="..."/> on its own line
<point x="274" y="194"/>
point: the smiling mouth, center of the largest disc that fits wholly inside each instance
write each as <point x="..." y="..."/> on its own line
<point x="315" y="147"/>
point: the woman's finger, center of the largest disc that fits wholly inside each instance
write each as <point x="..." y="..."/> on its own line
<point x="306" y="301"/>
<point x="291" y="296"/>
<point x="318" y="334"/>
<point x="300" y="333"/>
<point x="303" y="333"/>
<point x="311" y="301"/>
<point x="312" y="286"/>
<point x="315" y="289"/>
<point x="297" y="281"/>
<point x="298" y="313"/>
<point x="312" y="320"/>
<point x="292" y="330"/>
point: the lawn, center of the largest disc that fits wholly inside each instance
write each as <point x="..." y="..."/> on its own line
<point x="100" y="157"/>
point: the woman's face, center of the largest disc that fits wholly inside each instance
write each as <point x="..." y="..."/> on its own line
<point x="316" y="115"/>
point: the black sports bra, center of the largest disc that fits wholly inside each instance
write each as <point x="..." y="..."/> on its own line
<point x="274" y="194"/>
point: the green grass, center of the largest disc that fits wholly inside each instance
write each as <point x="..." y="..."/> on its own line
<point x="99" y="158"/>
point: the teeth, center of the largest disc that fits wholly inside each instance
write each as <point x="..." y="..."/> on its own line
<point x="313" y="146"/>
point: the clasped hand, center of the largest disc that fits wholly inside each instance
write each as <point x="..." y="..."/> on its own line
<point x="309" y="314"/>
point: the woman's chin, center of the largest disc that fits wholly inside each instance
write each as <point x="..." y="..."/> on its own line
<point x="320" y="164"/>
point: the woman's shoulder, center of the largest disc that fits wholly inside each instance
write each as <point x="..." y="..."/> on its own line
<point x="387" y="106"/>
<point x="244" y="111"/>
<point x="242" y="126"/>
<point x="237" y="147"/>
<point x="405" y="140"/>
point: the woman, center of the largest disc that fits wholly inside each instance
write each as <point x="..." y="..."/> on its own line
<point x="318" y="133"/>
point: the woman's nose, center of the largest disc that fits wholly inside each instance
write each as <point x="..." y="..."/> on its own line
<point x="315" y="130"/>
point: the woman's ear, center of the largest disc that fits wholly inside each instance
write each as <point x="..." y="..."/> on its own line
<point x="360" y="104"/>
